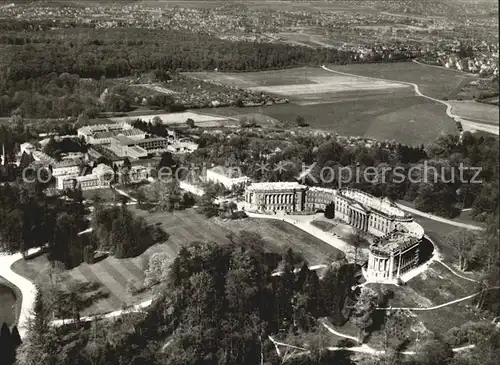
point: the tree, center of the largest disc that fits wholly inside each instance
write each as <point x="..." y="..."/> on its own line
<point x="433" y="352"/>
<point x="64" y="247"/>
<point x="40" y="344"/>
<point x="330" y="210"/>
<point x="462" y="241"/>
<point x="168" y="165"/>
<point x="301" y="122"/>
<point x="363" y="311"/>
<point x="141" y="197"/>
<point x="312" y="290"/>
<point x="26" y="160"/>
<point x="168" y="195"/>
<point x="124" y="174"/>
<point x="52" y="148"/>
<point x="6" y="346"/>
<point x="356" y="241"/>
<point x="190" y="123"/>
<point x="158" y="269"/>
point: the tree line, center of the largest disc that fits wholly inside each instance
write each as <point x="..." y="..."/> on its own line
<point x="9" y="342"/>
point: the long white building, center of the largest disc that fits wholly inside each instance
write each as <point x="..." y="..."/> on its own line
<point x="396" y="237"/>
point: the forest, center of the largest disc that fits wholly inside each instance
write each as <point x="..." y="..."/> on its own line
<point x="61" y="72"/>
<point x="435" y="185"/>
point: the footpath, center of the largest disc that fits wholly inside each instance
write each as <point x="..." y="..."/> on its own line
<point x="27" y="288"/>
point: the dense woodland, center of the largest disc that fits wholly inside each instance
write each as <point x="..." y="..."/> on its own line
<point x="62" y="72"/>
<point x="438" y="192"/>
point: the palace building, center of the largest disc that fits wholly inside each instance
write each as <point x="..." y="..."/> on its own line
<point x="396" y="237"/>
<point x="269" y="197"/>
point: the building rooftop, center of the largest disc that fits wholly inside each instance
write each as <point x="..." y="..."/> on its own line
<point x="103" y="134"/>
<point x="105" y="152"/>
<point x="152" y="139"/>
<point x="369" y="202"/>
<point x="229" y="172"/>
<point x="132" y="132"/>
<point x="125" y="141"/>
<point x="276" y="186"/>
<point x="398" y="239"/>
<point x="67" y="163"/>
<point x="138" y="149"/>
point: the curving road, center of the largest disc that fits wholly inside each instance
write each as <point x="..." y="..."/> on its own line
<point x="440" y="219"/>
<point x="27" y="288"/>
<point x="465" y="123"/>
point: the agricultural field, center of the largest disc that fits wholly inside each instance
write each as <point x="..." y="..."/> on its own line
<point x="301" y="83"/>
<point x="201" y="120"/>
<point x="347" y="105"/>
<point x="406" y="119"/>
<point x="476" y="112"/>
<point x="436" y="82"/>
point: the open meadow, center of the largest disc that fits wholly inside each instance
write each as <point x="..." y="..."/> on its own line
<point x="201" y="120"/>
<point x="476" y="112"/>
<point x="347" y="105"/>
<point x="435" y="82"/>
<point x="111" y="284"/>
<point x="407" y="119"/>
<point x="299" y="83"/>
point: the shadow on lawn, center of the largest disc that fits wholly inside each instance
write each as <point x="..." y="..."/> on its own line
<point x="79" y="297"/>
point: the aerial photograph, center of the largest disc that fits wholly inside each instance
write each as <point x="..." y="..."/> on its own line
<point x="249" y="182"/>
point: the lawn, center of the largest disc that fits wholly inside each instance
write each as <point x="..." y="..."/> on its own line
<point x="10" y="302"/>
<point x="439" y="285"/>
<point x="323" y="225"/>
<point x="188" y="226"/>
<point x="281" y="235"/>
<point x="111" y="284"/>
<point x="105" y="194"/>
<point x="435" y="286"/>
<point x="314" y="85"/>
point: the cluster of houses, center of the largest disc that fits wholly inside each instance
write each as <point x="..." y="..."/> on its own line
<point x="480" y="58"/>
<point x="239" y="23"/>
<point x="121" y="140"/>
<point x="109" y="146"/>
<point x="484" y="66"/>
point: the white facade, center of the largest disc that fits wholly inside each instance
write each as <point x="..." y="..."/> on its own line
<point x="193" y="189"/>
<point x="101" y="177"/>
<point x="182" y="147"/>
<point x="396" y="237"/>
<point x="28" y="148"/>
<point x="227" y="177"/>
<point x="100" y="133"/>
<point x="66" y="168"/>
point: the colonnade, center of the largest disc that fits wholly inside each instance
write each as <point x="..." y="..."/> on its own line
<point x="358" y="220"/>
<point x="285" y="198"/>
<point x="381" y="266"/>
